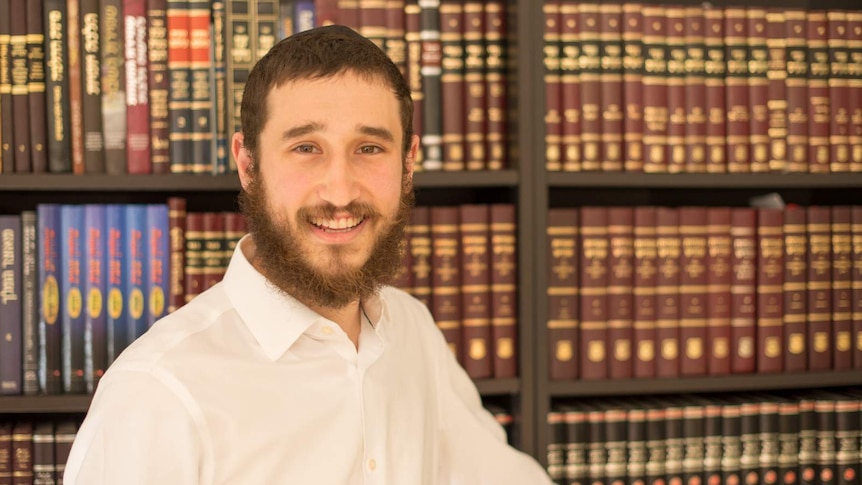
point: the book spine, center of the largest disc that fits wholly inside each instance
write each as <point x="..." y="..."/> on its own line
<point x="749" y="437"/>
<point x="474" y="232"/>
<point x="395" y="44"/>
<point x="716" y="90"/>
<point x="636" y="444"/>
<point x="847" y="441"/>
<point x="158" y="263"/>
<point x="452" y="83"/>
<point x="655" y="89"/>
<point x="50" y="299"/>
<point x="556" y="449"/>
<point x="95" y="285"/>
<point x="594" y="258"/>
<point x="668" y="244"/>
<point x="819" y="288"/>
<point x="194" y="255"/>
<point x="372" y="21"/>
<point x="431" y="62"/>
<point x="807" y="437"/>
<point x="496" y="127"/>
<point x="138" y="159"/>
<point x="743" y="290"/>
<point x="645" y="272"/>
<point x="597" y="455"/>
<point x="218" y="53"/>
<point x="552" y="55"/>
<point x="788" y="442"/>
<point x="446" y="276"/>
<point x="64" y="435"/>
<point x="200" y="97"/>
<point x="101" y="84"/>
<point x="712" y="446"/>
<point x="157" y="79"/>
<point x="620" y="297"/>
<point x="117" y="268"/>
<point x="504" y="290"/>
<point x="693" y="293"/>
<point x="238" y="62"/>
<point x="73" y="312"/>
<point x="842" y="299"/>
<point x="589" y="78"/>
<point x="570" y="88"/>
<point x="420" y="253"/>
<point x="676" y="56"/>
<point x="768" y="427"/>
<point x="656" y="445"/>
<point x="413" y="74"/>
<point x="794" y="289"/>
<point x="718" y="290"/>
<point x="11" y="288"/>
<point x="693" y="431"/>
<point x="563" y="311"/>
<point x="854" y="84"/>
<point x="474" y="86"/>
<point x="43" y="453"/>
<point x="633" y="71"/>
<point x="738" y="107"/>
<point x="345" y="12"/>
<point x="856" y="241"/>
<point x="758" y="88"/>
<point x="305" y="15"/>
<point x="234" y="229"/>
<point x="180" y="84"/>
<point x="611" y="87"/>
<point x="138" y="274"/>
<point x="615" y="444"/>
<point x="695" y="91"/>
<point x="76" y="89"/>
<point x="36" y="86"/>
<point x="797" y="90"/>
<point x="213" y="249"/>
<point x="674" y="443"/>
<point x="824" y="412"/>
<point x="577" y="441"/>
<point x="770" y="290"/>
<point x="19" y="67"/>
<point x="177" y="228"/>
<point x="776" y="103"/>
<point x="7" y="143"/>
<point x="22" y="453"/>
<point x="839" y="91"/>
<point x="265" y="15"/>
<point x="30" y="303"/>
<point x="818" y="106"/>
<point x="113" y="99"/>
<point x="57" y="87"/>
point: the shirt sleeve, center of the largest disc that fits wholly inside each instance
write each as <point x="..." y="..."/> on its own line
<point x="474" y="450"/>
<point x="138" y="431"/>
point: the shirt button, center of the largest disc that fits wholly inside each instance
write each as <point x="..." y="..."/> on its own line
<point x="327" y="330"/>
<point x="372" y="464"/>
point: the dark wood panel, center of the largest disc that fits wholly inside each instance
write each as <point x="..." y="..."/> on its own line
<point x="698" y="180"/>
<point x="44" y="404"/>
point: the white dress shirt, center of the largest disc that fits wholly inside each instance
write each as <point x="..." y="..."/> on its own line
<point x="245" y="385"/>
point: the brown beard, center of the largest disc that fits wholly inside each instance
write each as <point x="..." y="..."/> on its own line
<point x="281" y="259"/>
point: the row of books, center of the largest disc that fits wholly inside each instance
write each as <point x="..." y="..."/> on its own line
<point x="645" y="292"/>
<point x="35" y="452"/>
<point x="155" y="86"/>
<point x="461" y="261"/>
<point x="806" y="438"/>
<point x="702" y="88"/>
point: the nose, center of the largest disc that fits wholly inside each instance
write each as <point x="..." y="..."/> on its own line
<point x="340" y="185"/>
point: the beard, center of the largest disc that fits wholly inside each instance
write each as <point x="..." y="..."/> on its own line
<point x="279" y="254"/>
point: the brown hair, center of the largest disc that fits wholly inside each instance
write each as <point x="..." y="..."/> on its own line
<point x="313" y="54"/>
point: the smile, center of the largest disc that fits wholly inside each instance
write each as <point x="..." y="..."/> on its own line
<point x="337" y="225"/>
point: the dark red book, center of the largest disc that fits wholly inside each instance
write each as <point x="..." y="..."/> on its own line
<point x="474" y="86"/>
<point x="22" y="453"/>
<point x="611" y="81"/>
<point x="18" y="66"/>
<point x="395" y="44"/>
<point x="452" y="83"/>
<point x="644" y="290"/>
<point x="839" y="91"/>
<point x="655" y="89"/>
<point x="372" y="21"/>
<point x="819" y="109"/>
<point x="758" y="88"/>
<point x="695" y="90"/>
<point x="475" y="269"/>
<point x="693" y="296"/>
<point x="856" y="235"/>
<point x="213" y="249"/>
<point x="177" y="245"/>
<point x="553" y="95"/>
<point x="593" y="267"/>
<point x="504" y="290"/>
<point x="345" y="13"/>
<point x="718" y="290"/>
<point x="419" y="240"/>
<point x="668" y="243"/>
<point x="738" y="106"/>
<point x="842" y="298"/>
<point x="194" y="255"/>
<point x="138" y="159"/>
<point x="570" y="86"/>
<point x="795" y="291"/>
<point x="854" y="84"/>
<point x="716" y="91"/>
<point x="776" y="104"/>
<point x="676" y="78"/>
<point x="36" y="86"/>
<point x="562" y="290"/>
<point x="819" y="288"/>
<point x="496" y="127"/>
<point x="633" y="65"/>
<point x="446" y="276"/>
<point x="589" y="77"/>
<point x="76" y="93"/>
<point x="797" y="90"/>
<point x="743" y="291"/>
<point x="413" y="73"/>
<point x="7" y="142"/>
<point x="620" y="297"/>
<point x="770" y="290"/>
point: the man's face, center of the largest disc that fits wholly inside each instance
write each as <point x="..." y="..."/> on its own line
<point x="330" y="199"/>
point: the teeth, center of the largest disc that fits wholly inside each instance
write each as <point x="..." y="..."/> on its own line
<point x="336" y="224"/>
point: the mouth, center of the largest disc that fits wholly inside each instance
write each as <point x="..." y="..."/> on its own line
<point x="344" y="224"/>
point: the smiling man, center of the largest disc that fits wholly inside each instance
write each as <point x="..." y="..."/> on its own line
<point x="302" y="366"/>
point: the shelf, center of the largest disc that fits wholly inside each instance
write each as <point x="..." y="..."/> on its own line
<point x="498" y="387"/>
<point x="44" y="404"/>
<point x="705" y="180"/>
<point x="735" y="383"/>
<point x="227" y="182"/>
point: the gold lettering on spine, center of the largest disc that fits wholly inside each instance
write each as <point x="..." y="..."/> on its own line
<point x="57" y="70"/>
<point x="90" y="36"/>
<point x="8" y="291"/>
<point x="111" y="45"/>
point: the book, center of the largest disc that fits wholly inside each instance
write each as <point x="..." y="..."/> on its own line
<point x="11" y="297"/>
<point x="644" y="290"/>
<point x="611" y="79"/>
<point x="194" y="255"/>
<point x="158" y="253"/>
<point x="136" y="62"/>
<point x="738" y="103"/>
<point x="743" y="289"/>
<point x="854" y="84"/>
<point x="181" y="125"/>
<point x="620" y="297"/>
<point x="633" y="71"/>
<point x="36" y="86"/>
<point x="201" y="128"/>
<point x="718" y="290"/>
<point x="218" y="53"/>
<point x="562" y="291"/>
<point x="135" y="253"/>
<point x="797" y="90"/>
<point x="7" y="136"/>
<point x="64" y="435"/>
<point x="100" y="82"/>
<point x="474" y="234"/>
<point x="113" y="95"/>
<point x="696" y="114"/>
<point x="716" y="89"/>
<point x="655" y="444"/>
<point x="839" y="91"/>
<point x="419" y="245"/>
<point x="474" y="85"/>
<point x="776" y="104"/>
<point x="496" y="83"/>
<point x="72" y="318"/>
<point x="76" y="93"/>
<point x="577" y="440"/>
<point x="117" y="290"/>
<point x="794" y="289"/>
<point x="431" y="71"/>
<point x="758" y="88"/>
<point x="668" y="244"/>
<point x="58" y="123"/>
<point x="214" y="264"/>
<point x="693" y="295"/>
<point x="677" y="124"/>
<point x="556" y="449"/>
<point x="749" y="439"/>
<point x="158" y="82"/>
<point x="856" y="237"/>
<point x="22" y="452"/>
<point x="18" y="67"/>
<point x="819" y="108"/>
<point x="770" y="290"/>
<point x="594" y="255"/>
<point x="446" y="276"/>
<point x="413" y="74"/>
<point x="504" y="290"/>
<point x="43" y="453"/>
<point x="655" y="89"/>
<point x="95" y="295"/>
<point x="51" y="300"/>
<point x="570" y="88"/>
<point x="589" y="79"/>
<point x="819" y="287"/>
<point x="452" y="83"/>
<point x="239" y="61"/>
<point x="177" y="228"/>
<point x="842" y="299"/>
<point x="30" y="308"/>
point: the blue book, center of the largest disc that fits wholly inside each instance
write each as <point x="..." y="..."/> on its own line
<point x="30" y="303"/>
<point x="303" y="15"/>
<point x="115" y="319"/>
<point x="138" y="273"/>
<point x="71" y="289"/>
<point x="50" y="298"/>
<point x="11" y="298"/>
<point x="95" y="289"/>
<point x="158" y="262"/>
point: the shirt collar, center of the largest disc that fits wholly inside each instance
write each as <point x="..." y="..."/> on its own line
<point x="274" y="318"/>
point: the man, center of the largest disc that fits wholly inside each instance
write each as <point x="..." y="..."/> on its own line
<point x="301" y="367"/>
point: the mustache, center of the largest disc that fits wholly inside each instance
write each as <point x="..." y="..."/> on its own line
<point x="328" y="210"/>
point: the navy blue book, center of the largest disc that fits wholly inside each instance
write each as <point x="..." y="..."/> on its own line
<point x="95" y="286"/>
<point x="51" y="302"/>
<point x="11" y="290"/>
<point x="71" y="286"/>
<point x="158" y="262"/>
<point x="115" y="322"/>
<point x="138" y="270"/>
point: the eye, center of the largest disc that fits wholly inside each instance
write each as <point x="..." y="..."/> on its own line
<point x="370" y="149"/>
<point x="306" y="148"/>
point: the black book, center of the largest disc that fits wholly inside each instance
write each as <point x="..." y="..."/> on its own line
<point x="731" y="442"/>
<point x="556" y="444"/>
<point x="577" y="438"/>
<point x="770" y="450"/>
<point x="749" y="437"/>
<point x="807" y="440"/>
<point x="847" y="436"/>
<point x="712" y="446"/>
<point x="597" y="455"/>
<point x="694" y="432"/>
<point x="674" y="442"/>
<point x="824" y="413"/>
<point x="637" y="444"/>
<point x="44" y="461"/>
<point x="59" y="126"/>
<point x="615" y="415"/>
<point x="656" y="445"/>
<point x="788" y="442"/>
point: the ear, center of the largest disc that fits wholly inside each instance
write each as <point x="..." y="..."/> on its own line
<point x="410" y="159"/>
<point x="242" y="157"/>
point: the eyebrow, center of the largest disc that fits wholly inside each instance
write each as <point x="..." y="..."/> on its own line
<point x="302" y="130"/>
<point x="381" y="133"/>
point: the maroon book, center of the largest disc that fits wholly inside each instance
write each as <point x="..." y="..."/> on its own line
<point x="854" y="83"/>
<point x="20" y="91"/>
<point x="138" y="160"/>
<point x="589" y="76"/>
<point x="633" y="64"/>
<point x="345" y="13"/>
<point x="667" y="292"/>
<point x="716" y="91"/>
<point x="36" y="87"/>
<point x="413" y="73"/>
<point x="611" y="81"/>
<point x="553" y="95"/>
<point x="7" y="142"/>
<point x="819" y="288"/>
<point x="718" y="290"/>
<point x="496" y="128"/>
<point x="372" y="21"/>
<point x="655" y="90"/>
<point x="819" y="111"/>
<point x="738" y="106"/>
<point x="693" y="297"/>
<point x="842" y="299"/>
<point x="194" y="255"/>
<point x="446" y="276"/>
<point x="395" y="43"/>
<point x="856" y="235"/>
<point x="743" y="308"/>
<point x="177" y="245"/>
<point x="594" y="259"/>
<point x="795" y="292"/>
<point x="504" y="290"/>
<point x="213" y="249"/>
<point x="695" y="90"/>
<point x="770" y="292"/>
<point x="474" y="87"/>
<point x="570" y="88"/>
<point x="776" y="104"/>
<point x="839" y="91"/>
<point x="419" y="240"/>
<point x="758" y="88"/>
<point x="620" y="297"/>
<point x="475" y="261"/>
<point x="563" y="311"/>
<point x="797" y="91"/>
<point x="644" y="289"/>
<point x="676" y="78"/>
<point x="452" y="82"/>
